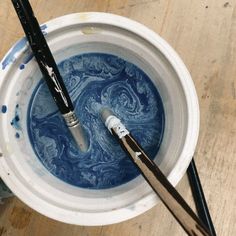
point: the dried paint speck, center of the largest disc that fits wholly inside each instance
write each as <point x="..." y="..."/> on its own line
<point x="4" y="108"/>
<point x="11" y="56"/>
<point x="22" y="66"/>
<point x="16" y="120"/>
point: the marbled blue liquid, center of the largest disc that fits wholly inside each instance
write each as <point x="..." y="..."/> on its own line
<point x="94" y="81"/>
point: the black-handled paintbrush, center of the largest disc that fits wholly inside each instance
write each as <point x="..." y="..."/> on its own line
<point x="199" y="198"/>
<point x="156" y="179"/>
<point x="49" y="70"/>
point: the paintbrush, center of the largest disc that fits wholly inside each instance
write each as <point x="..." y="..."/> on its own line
<point x="199" y="197"/>
<point x="49" y="70"/>
<point x="163" y="188"/>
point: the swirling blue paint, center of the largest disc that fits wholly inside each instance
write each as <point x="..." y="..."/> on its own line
<point x="95" y="81"/>
<point x="11" y="56"/>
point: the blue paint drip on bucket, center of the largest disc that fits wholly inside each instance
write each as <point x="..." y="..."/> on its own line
<point x="4" y="109"/>
<point x="11" y="56"/>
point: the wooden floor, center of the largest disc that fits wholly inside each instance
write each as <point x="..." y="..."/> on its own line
<point x="204" y="34"/>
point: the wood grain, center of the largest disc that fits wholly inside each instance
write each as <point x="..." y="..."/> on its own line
<point x="203" y="33"/>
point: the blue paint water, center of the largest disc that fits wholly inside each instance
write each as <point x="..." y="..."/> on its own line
<point x="11" y="56"/>
<point x="4" y="108"/>
<point x="95" y="81"/>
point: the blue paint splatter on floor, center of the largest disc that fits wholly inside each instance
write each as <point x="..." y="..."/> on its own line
<point x="22" y="66"/>
<point x="4" y="108"/>
<point x="95" y="81"/>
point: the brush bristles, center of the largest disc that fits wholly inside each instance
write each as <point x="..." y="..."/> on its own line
<point x="105" y="113"/>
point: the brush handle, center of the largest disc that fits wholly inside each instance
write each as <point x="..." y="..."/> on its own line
<point x="156" y="179"/>
<point x="50" y="70"/>
<point x="159" y="183"/>
<point x="199" y="198"/>
<point x="43" y="55"/>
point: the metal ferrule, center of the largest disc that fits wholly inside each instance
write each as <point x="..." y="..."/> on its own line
<point x="71" y="119"/>
<point x="76" y="130"/>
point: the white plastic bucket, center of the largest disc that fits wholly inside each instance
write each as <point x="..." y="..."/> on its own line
<point x="106" y="33"/>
